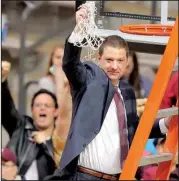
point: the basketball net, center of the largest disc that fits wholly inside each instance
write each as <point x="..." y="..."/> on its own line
<point x="86" y="33"/>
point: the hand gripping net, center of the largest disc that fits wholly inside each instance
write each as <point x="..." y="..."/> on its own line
<point x="86" y="32"/>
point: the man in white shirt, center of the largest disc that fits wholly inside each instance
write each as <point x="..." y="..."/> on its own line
<point x="104" y="112"/>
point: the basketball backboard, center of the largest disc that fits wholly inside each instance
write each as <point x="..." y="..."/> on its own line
<point x="141" y="10"/>
<point x="113" y="14"/>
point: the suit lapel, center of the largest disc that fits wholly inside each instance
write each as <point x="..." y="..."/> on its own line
<point x="110" y="95"/>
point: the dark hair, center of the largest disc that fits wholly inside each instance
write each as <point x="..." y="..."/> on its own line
<point x="115" y="42"/>
<point x="159" y="141"/>
<point x="44" y="91"/>
<point x="51" y="58"/>
<point x="134" y="78"/>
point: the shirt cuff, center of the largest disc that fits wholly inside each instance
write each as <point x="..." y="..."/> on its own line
<point x="72" y="38"/>
<point x="77" y="35"/>
<point x="162" y="126"/>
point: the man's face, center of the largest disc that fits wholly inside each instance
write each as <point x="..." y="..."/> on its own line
<point x="114" y="62"/>
<point x="44" y="111"/>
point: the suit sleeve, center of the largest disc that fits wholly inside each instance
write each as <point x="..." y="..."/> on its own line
<point x="77" y="73"/>
<point x="156" y="131"/>
<point x="10" y="116"/>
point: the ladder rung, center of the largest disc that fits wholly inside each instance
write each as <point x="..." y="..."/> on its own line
<point x="157" y="158"/>
<point x="167" y="112"/>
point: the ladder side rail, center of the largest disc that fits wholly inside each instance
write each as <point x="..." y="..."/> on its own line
<point x="170" y="145"/>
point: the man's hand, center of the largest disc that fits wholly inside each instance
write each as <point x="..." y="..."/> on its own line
<point x="9" y="170"/>
<point x="39" y="137"/>
<point x="6" y="66"/>
<point x="82" y="13"/>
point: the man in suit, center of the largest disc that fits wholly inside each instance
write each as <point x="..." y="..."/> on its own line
<point x="104" y="118"/>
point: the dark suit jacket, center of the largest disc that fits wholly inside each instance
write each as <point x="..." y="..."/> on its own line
<point x="92" y="93"/>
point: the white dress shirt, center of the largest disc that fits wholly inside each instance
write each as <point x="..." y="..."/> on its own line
<point x="103" y="153"/>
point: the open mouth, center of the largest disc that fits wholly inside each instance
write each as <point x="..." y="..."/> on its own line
<point x="42" y="115"/>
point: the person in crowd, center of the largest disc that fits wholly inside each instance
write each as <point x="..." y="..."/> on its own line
<point x="49" y="80"/>
<point x="149" y="172"/>
<point x="171" y="94"/>
<point x="63" y="119"/>
<point x="62" y="90"/>
<point x="56" y="82"/>
<point x="169" y="99"/>
<point x="30" y="138"/>
<point x="142" y="86"/>
<point x="104" y="118"/>
<point x="8" y="162"/>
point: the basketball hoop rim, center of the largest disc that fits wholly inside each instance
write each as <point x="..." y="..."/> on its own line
<point x="147" y="29"/>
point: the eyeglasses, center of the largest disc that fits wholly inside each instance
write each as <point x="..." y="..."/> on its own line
<point x="38" y="105"/>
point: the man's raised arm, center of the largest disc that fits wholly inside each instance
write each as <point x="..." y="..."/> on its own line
<point x="10" y="116"/>
<point x="77" y="73"/>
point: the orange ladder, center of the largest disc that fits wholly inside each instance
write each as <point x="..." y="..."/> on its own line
<point x="150" y="114"/>
<point x="171" y="146"/>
